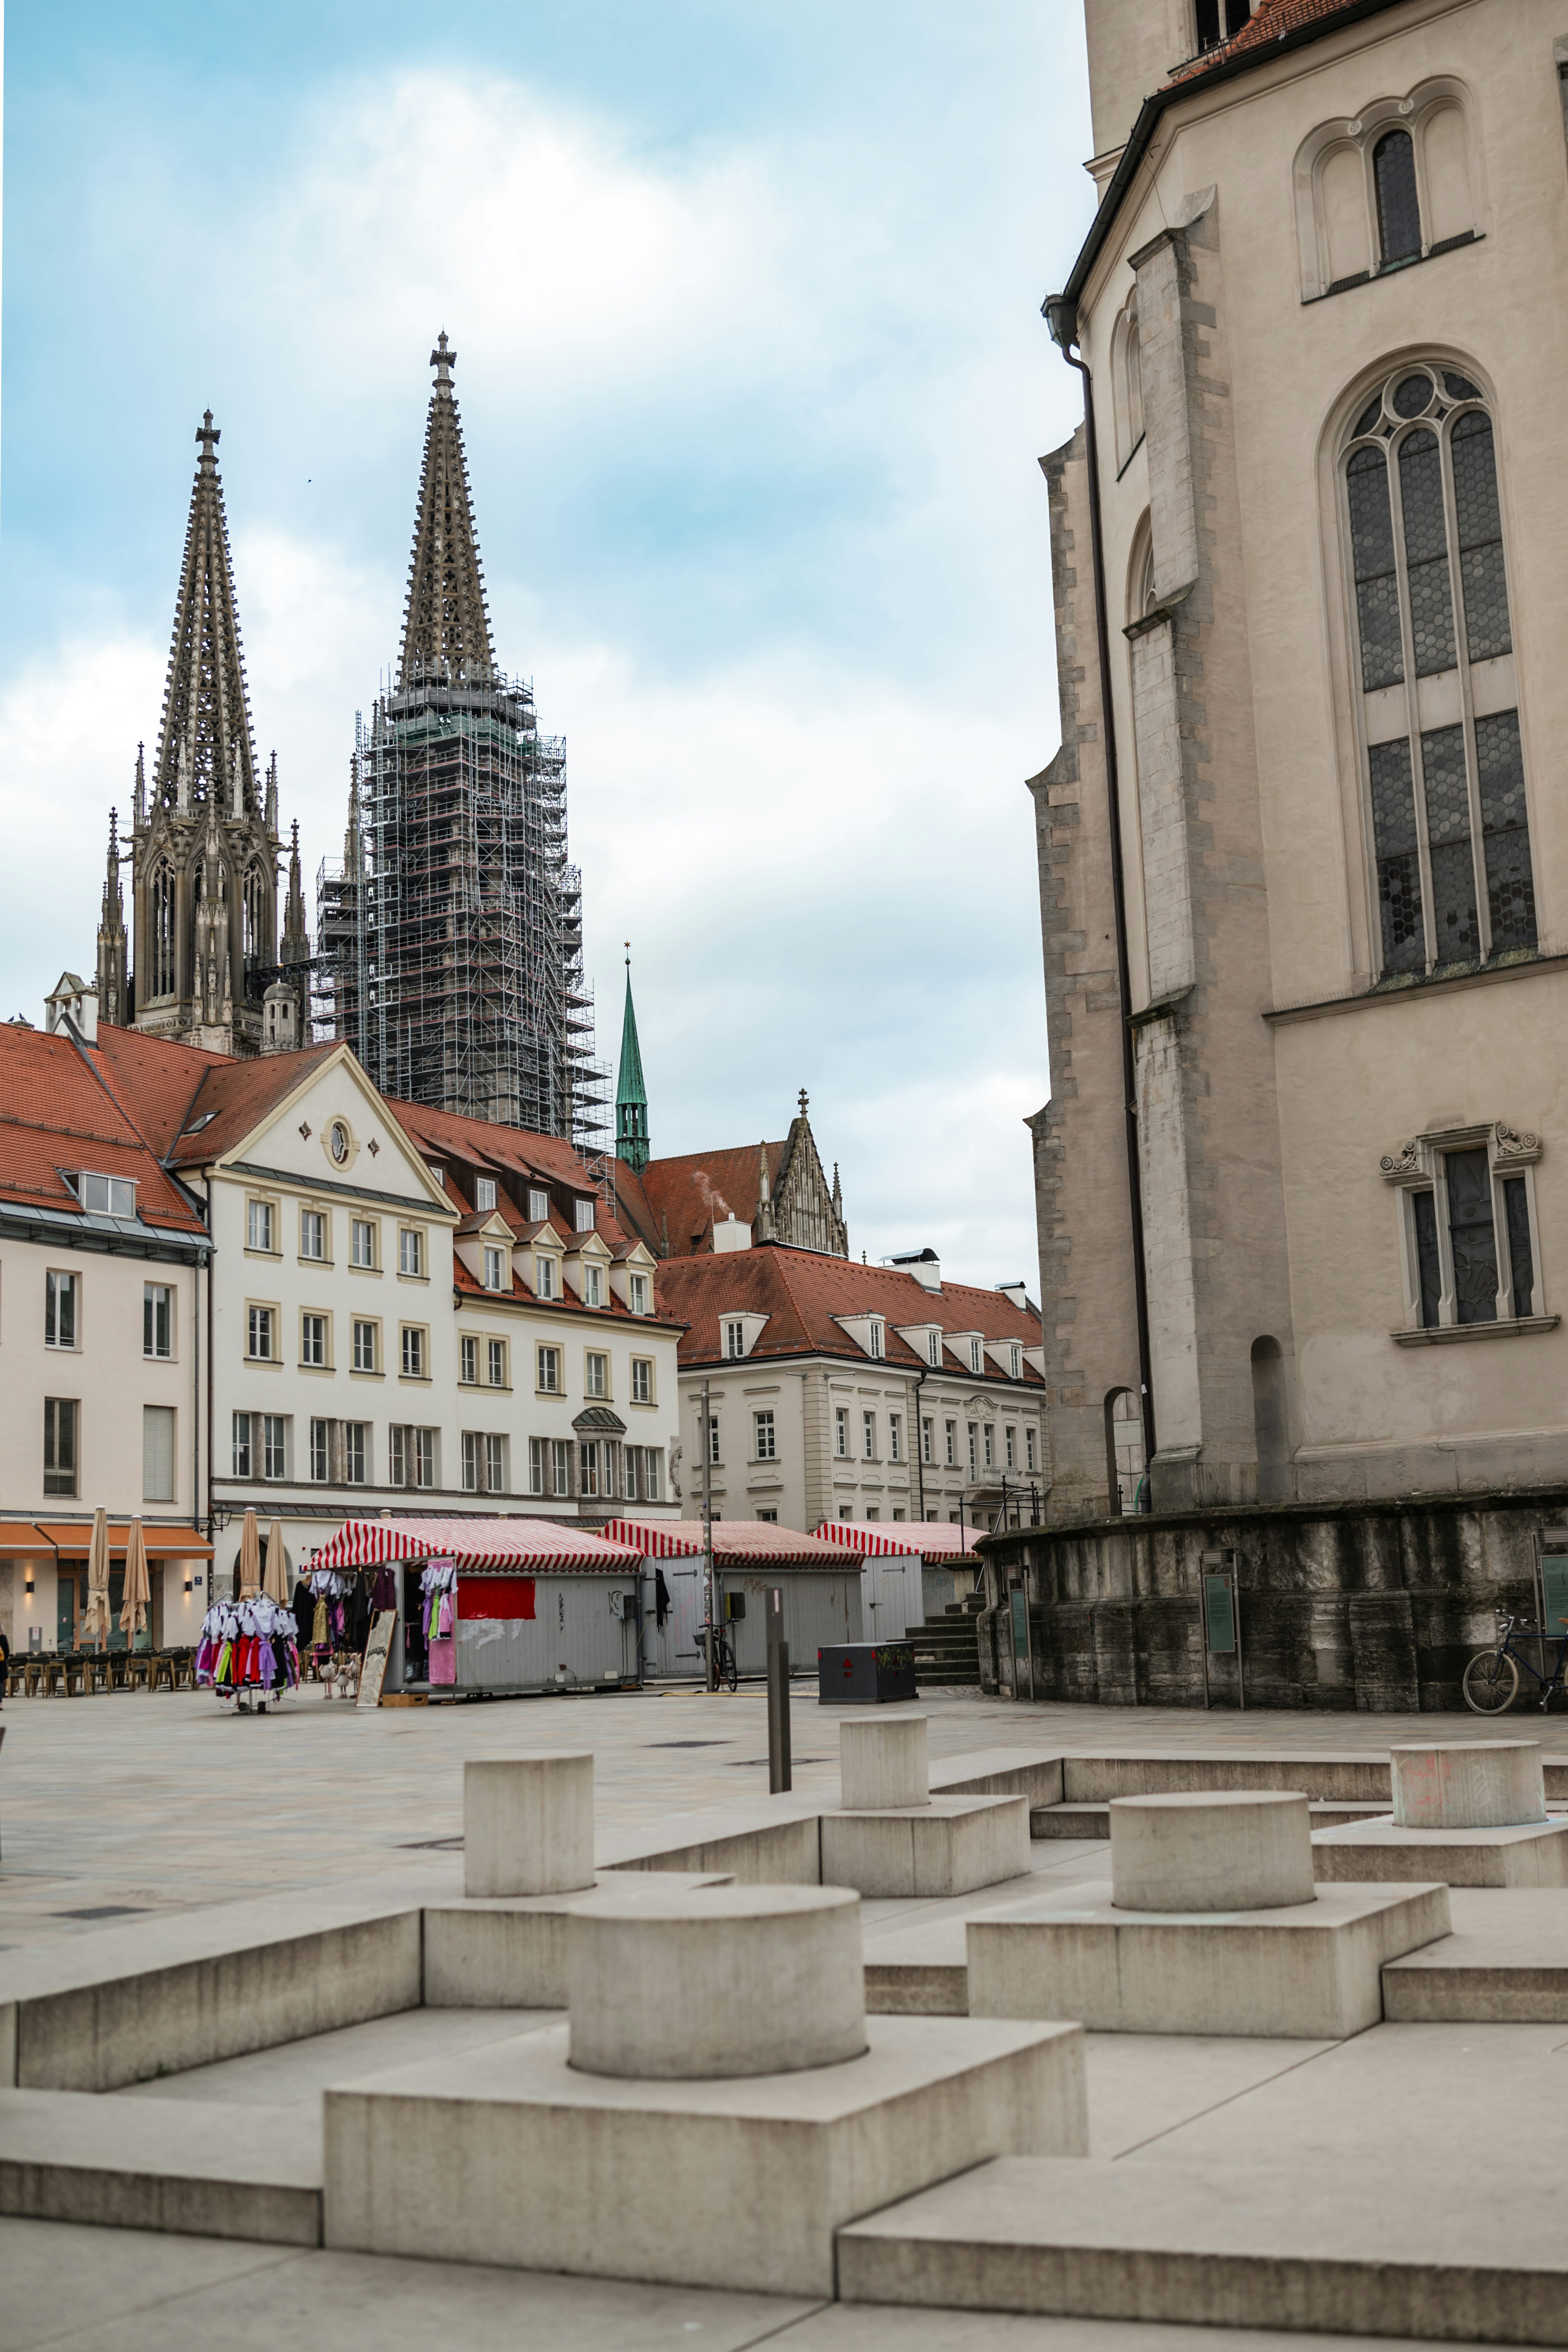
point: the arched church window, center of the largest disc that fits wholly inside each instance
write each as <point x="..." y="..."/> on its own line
<point x="162" y="927"/>
<point x="1447" y="801"/>
<point x="251" y="901"/>
<point x="1398" y="207"/>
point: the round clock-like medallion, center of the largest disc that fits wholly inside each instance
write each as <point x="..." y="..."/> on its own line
<point x="338" y="1143"/>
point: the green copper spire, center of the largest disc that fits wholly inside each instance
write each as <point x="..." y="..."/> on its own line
<point x="631" y="1095"/>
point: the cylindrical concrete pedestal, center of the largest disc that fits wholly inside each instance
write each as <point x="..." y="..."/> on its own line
<point x="528" y="1824"/>
<point x="882" y="1764"/>
<point x="1485" y="1784"/>
<point x="711" y="1985"/>
<point x="1242" y="1849"/>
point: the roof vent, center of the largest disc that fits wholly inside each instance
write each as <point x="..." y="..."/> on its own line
<point x="924" y="1264"/>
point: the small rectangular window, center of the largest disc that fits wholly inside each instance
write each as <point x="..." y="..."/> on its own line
<point x="397" y="1455"/>
<point x="642" y="1381"/>
<point x="596" y="1376"/>
<point x="550" y="1370"/>
<point x="973" y="1466"/>
<point x="157" y="1319"/>
<point x="875" y="1335"/>
<point x="713" y="1453"/>
<point x="560" y="1465"/>
<point x="536" y="1465"/>
<point x="356" y="1450"/>
<point x="61" y="1417"/>
<point x="312" y="1234"/>
<point x="484" y="1194"/>
<point x="1010" y="1445"/>
<point x="766" y="1447"/>
<point x="364" y="1347"/>
<point x="1428" y="1264"/>
<point x="1029" y="1447"/>
<point x="495" y="1269"/>
<point x="106" y="1196"/>
<point x="470" y="1461"/>
<point x="588" y="1453"/>
<point x="321" y="1449"/>
<point x="976" y="1355"/>
<point x="313" y="1341"/>
<point x="495" y="1465"/>
<point x="631" y="1458"/>
<point x="259" y="1334"/>
<point x="653" y="1456"/>
<point x="1472" y="1235"/>
<point x="157" y="1453"/>
<point x="927" y="1449"/>
<point x="593" y="1285"/>
<point x="951" y="1429"/>
<point x="241" y="1446"/>
<point x="422" y="1456"/>
<point x="841" y="1433"/>
<point x="495" y="1363"/>
<point x="734" y="1339"/>
<point x="868" y="1436"/>
<point x="413" y="1352"/>
<point x="1016" y="1362"/>
<point x="437" y="1173"/>
<point x="258" y="1225"/>
<point x="544" y="1277"/>
<point x="469" y="1359"/>
<point x="59" y="1310"/>
<point x="990" y="1445"/>
<point x="895" y="1437"/>
<point x="933" y="1347"/>
<point x="274" y="1446"/>
<point x="585" y="1215"/>
<point x="1520" y="1256"/>
<point x="410" y="1250"/>
<point x="638" y="1288"/>
<point x="538" y="1207"/>
<point x="363" y="1246"/>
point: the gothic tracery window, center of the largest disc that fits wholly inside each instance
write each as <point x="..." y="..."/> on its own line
<point x="254" y="941"/>
<point x="162" y="930"/>
<point x="1445" y="771"/>
<point x="1398" y="205"/>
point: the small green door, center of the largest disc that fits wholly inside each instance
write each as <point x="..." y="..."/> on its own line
<point x="1219" y="1616"/>
<point x="65" y="1609"/>
<point x="1554" y="1594"/>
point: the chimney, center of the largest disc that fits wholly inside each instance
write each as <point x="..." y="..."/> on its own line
<point x="924" y="1264"/>
<point x="71" y="1001"/>
<point x="1017" y="1293"/>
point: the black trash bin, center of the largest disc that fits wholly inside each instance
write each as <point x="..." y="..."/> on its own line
<point x="866" y="1674"/>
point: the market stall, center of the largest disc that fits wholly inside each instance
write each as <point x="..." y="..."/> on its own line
<point x="820" y="1583"/>
<point x="912" y="1569"/>
<point x="496" y="1605"/>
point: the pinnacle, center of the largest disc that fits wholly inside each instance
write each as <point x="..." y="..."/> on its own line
<point x="447" y="627"/>
<point x="205" y="725"/>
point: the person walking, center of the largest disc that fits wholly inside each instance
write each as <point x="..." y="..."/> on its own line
<point x="5" y="1664"/>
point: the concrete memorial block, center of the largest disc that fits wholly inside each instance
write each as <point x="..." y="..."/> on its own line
<point x="1231" y="1850"/>
<point x="883" y="1764"/>
<point x="510" y="1952"/>
<point x="528" y="1824"/>
<point x="1487" y="1784"/>
<point x="512" y="2156"/>
<point x="949" y="1846"/>
<point x="670" y="1985"/>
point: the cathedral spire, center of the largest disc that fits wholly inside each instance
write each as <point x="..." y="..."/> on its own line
<point x="295" y="946"/>
<point x="631" y="1093"/>
<point x="445" y="626"/>
<point x="111" y="945"/>
<point x="353" y="844"/>
<point x="205" y="749"/>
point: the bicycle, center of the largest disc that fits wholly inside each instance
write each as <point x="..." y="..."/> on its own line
<point x="725" y="1669"/>
<point x="1491" y="1679"/>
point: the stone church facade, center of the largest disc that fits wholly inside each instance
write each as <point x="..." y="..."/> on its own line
<point x="1303" y="1179"/>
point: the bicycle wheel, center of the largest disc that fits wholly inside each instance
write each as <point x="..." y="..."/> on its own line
<point x="732" y="1671"/>
<point x="1491" y="1682"/>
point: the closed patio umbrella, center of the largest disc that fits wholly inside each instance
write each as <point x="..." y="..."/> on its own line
<point x="276" y="1583"/>
<point x="95" y="1623"/>
<point x="249" y="1557"/>
<point x="137" y="1584"/>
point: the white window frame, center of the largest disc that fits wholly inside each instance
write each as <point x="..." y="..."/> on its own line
<point x="315" y="1341"/>
<point x="637" y="1285"/>
<point x="596" y="1374"/>
<point x="642" y="1380"/>
<point x="538" y="1206"/>
<point x="59" y="1287"/>
<point x="484" y="1194"/>
<point x="495" y="1268"/>
<point x="411" y="1252"/>
<point x="765" y="1436"/>
<point x="895" y="1437"/>
<point x="1419" y="1166"/>
<point x="867" y="1436"/>
<point x="544" y="1277"/>
<point x="356" y="1453"/>
<point x="152" y="1294"/>
<point x="841" y="1433"/>
<point x="362" y="1233"/>
<point x="467" y="1360"/>
<point x="413" y="1361"/>
<point x="928" y="1441"/>
<point x="313" y="1228"/>
<point x="260" y="1226"/>
<point x="547" y="1370"/>
<point x="496" y="1364"/>
<point x="260" y="1322"/>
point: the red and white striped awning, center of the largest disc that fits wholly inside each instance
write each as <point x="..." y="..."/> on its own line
<point x="737" y="1543"/>
<point x="928" y="1538"/>
<point x="534" y="1545"/>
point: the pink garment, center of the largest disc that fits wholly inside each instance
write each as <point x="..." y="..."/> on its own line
<point x="444" y="1661"/>
<point x="444" y="1626"/>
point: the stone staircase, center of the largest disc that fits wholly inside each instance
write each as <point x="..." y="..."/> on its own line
<point x="947" y="1648"/>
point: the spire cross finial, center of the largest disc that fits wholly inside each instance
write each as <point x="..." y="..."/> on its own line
<point x="442" y="360"/>
<point x="804" y="1098"/>
<point x="209" y="436"/>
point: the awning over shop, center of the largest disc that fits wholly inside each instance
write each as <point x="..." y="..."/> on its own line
<point x="71" y="1539"/>
<point x="737" y="1543"/>
<point x="532" y="1545"/>
<point x="927" y="1539"/>
<point x="20" y="1539"/>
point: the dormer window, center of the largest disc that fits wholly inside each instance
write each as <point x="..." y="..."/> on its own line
<point x="584" y="1217"/>
<point x="637" y="1285"/>
<point x="933" y="1347"/>
<point x="104" y="1196"/>
<point x="734" y="1339"/>
<point x="495" y="1269"/>
<point x="484" y="1194"/>
<point x="538" y="1206"/>
<point x="1015" y="1360"/>
<point x="544" y="1277"/>
<point x="593" y="1285"/>
<point x="437" y="1173"/>
<point x="977" y="1355"/>
<point x="1220" y="20"/>
<point x="874" y="1339"/>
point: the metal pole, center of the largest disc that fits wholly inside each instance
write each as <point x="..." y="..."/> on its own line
<point x="779" y="1773"/>
<point x="711" y="1670"/>
<point x="1240" y="1662"/>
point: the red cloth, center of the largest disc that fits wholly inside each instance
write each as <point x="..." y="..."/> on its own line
<point x="495" y="1596"/>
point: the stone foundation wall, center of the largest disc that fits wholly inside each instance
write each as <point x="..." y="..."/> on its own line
<point x="1371" y="1607"/>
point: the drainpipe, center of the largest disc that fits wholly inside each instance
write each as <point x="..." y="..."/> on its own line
<point x="920" y="1449"/>
<point x="1060" y="315"/>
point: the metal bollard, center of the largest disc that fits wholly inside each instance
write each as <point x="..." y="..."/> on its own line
<point x="779" y="1777"/>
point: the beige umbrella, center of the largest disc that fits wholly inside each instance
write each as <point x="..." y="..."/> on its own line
<point x="137" y="1584"/>
<point x="95" y="1624"/>
<point x="249" y="1557"/>
<point x="276" y="1583"/>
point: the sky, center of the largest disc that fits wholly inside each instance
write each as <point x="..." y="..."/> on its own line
<point x="745" y="298"/>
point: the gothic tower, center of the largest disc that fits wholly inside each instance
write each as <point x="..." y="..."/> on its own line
<point x="203" y="844"/>
<point x="451" y="939"/>
<point x="631" y="1093"/>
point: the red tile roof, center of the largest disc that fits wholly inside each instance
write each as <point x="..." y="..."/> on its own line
<point x="512" y="1154"/>
<point x="239" y="1095"/>
<point x="689" y="1196"/>
<point x="801" y="1293"/>
<point x="60" y="1111"/>
<point x="1268" y="22"/>
<point x="155" y="1079"/>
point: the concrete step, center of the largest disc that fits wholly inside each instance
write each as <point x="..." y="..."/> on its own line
<point x="1294" y="2248"/>
<point x="156" y="2164"/>
<point x="1093" y="1821"/>
<point x="1506" y="1962"/>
